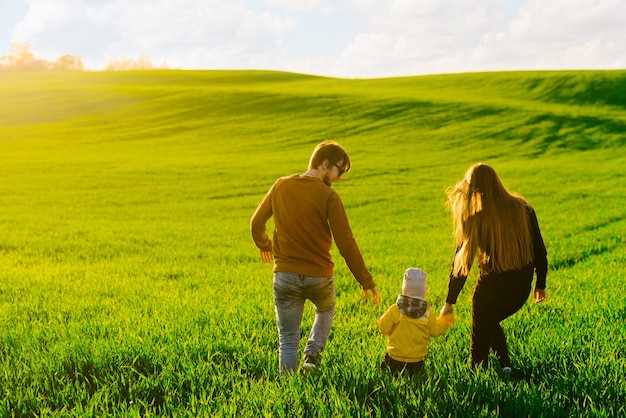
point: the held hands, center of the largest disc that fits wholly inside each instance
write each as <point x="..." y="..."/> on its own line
<point x="447" y="309"/>
<point x="374" y="296"/>
<point x="267" y="256"/>
<point x="540" y="295"/>
<point x="447" y="314"/>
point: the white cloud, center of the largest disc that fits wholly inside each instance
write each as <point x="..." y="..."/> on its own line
<point x="346" y="38"/>
<point x="436" y="36"/>
<point x="559" y="35"/>
<point x="185" y="33"/>
<point x="410" y="37"/>
<point x="319" y="6"/>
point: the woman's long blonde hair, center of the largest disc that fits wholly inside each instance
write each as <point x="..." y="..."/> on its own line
<point x="488" y="221"/>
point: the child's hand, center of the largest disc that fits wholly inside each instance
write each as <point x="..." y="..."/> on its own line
<point x="449" y="318"/>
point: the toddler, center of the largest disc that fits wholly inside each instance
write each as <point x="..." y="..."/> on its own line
<point x="409" y="323"/>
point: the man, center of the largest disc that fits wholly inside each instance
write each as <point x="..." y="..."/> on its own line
<point x="308" y="213"/>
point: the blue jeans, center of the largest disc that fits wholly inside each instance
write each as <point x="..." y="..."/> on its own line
<point x="291" y="290"/>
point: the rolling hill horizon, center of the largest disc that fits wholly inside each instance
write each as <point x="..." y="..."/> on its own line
<point x="130" y="285"/>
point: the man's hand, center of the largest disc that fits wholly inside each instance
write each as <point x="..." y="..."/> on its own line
<point x="267" y="256"/>
<point x="374" y="296"/>
<point x="540" y="295"/>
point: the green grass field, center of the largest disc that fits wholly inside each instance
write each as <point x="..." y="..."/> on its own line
<point x="130" y="286"/>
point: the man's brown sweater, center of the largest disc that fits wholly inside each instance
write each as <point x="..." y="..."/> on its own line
<point x="307" y="215"/>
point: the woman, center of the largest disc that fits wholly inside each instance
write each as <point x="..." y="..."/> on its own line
<point x="500" y="230"/>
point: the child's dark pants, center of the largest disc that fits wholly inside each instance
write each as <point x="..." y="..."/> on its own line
<point x="397" y="367"/>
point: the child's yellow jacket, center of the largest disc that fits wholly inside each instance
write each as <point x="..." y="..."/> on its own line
<point x="408" y="337"/>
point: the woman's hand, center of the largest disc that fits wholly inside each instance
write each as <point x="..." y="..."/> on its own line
<point x="540" y="295"/>
<point x="447" y="309"/>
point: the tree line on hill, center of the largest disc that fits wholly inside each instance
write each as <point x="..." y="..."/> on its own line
<point x="20" y="58"/>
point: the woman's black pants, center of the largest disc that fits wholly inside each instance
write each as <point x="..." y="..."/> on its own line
<point x="496" y="297"/>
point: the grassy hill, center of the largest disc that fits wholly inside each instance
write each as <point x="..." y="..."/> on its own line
<point x="129" y="283"/>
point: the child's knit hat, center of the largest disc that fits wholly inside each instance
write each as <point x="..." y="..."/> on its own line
<point x="414" y="283"/>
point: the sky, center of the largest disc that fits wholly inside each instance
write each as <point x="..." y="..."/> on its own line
<point x="337" y="38"/>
